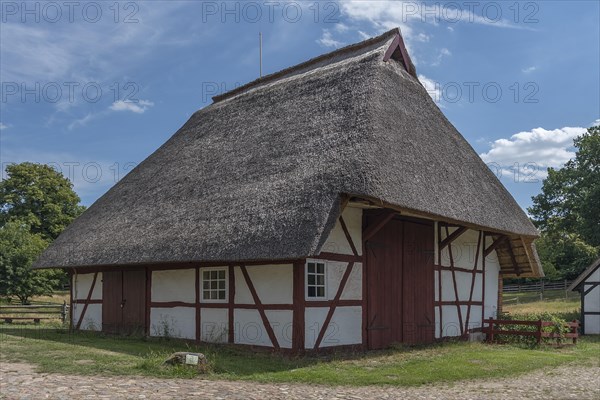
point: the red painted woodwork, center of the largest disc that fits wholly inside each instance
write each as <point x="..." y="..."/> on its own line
<point x="87" y="301"/>
<point x="298" y="318"/>
<point x="230" y="312"/>
<point x="400" y="290"/>
<point x="124" y="301"/>
<point x="261" y="309"/>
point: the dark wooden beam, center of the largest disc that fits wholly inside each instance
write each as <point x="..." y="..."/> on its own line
<point x="88" y="298"/>
<point x="348" y="237"/>
<point x="379" y="223"/>
<point x="334" y="304"/>
<point x="452" y="237"/>
<point x="260" y="307"/>
<point x="513" y="260"/>
<point x="497" y="242"/>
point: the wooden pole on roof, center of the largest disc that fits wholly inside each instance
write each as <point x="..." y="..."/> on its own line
<point x="260" y="52"/>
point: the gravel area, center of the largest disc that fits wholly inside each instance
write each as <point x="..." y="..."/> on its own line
<point x="20" y="381"/>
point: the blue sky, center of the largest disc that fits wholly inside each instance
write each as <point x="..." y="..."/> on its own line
<point x="94" y="88"/>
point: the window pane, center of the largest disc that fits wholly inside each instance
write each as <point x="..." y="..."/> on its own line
<point x="311" y="279"/>
<point x="221" y="284"/>
<point x="221" y="274"/>
<point x="221" y="295"/>
<point x="311" y="268"/>
<point x="213" y="274"/>
<point x="206" y="284"/>
<point x="320" y="292"/>
<point x="214" y="284"/>
<point x="205" y="275"/>
<point x="213" y="295"/>
<point x="321" y="268"/>
<point x="320" y="279"/>
<point x="311" y="291"/>
<point x="206" y="294"/>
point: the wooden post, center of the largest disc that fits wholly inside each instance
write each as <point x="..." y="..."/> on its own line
<point x="63" y="312"/>
<point x="539" y="332"/>
<point x="542" y="289"/>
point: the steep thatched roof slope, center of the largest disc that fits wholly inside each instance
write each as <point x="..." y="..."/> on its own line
<point x="258" y="174"/>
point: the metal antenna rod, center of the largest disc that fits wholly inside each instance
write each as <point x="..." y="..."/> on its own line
<point x="260" y="51"/>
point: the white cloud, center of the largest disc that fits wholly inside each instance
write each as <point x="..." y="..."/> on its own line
<point x="537" y="149"/>
<point x="3" y="127"/>
<point x="432" y="87"/>
<point x="327" y="40"/>
<point x="385" y="15"/>
<point x="421" y="37"/>
<point x="363" y="35"/>
<point x="529" y="70"/>
<point x="341" y="28"/>
<point x="137" y="107"/>
<point x="83" y="121"/>
<point x="443" y="53"/>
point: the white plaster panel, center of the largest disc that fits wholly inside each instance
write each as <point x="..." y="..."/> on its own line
<point x="177" y="322"/>
<point x="282" y="323"/>
<point x="274" y="284"/>
<point x="594" y="276"/>
<point x="92" y="320"/>
<point x="174" y="285"/>
<point x="337" y="241"/>
<point x="492" y="270"/>
<point x="345" y="327"/>
<point x="463" y="283"/>
<point x="436" y="285"/>
<point x="249" y="329"/>
<point x="314" y="317"/>
<point x="447" y="286"/>
<point x="353" y="289"/>
<point x="592" y="324"/>
<point x="436" y="311"/>
<point x="214" y="325"/>
<point x="242" y="293"/>
<point x="82" y="284"/>
<point x="335" y="273"/>
<point x="474" y="317"/>
<point x="450" y="323"/>
<point x="592" y="299"/>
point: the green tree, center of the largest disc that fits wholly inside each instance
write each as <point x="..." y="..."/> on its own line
<point x="40" y="197"/>
<point x="568" y="210"/>
<point x="18" y="250"/>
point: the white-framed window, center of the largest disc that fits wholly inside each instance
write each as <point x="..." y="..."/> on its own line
<point x="316" y="280"/>
<point x="214" y="285"/>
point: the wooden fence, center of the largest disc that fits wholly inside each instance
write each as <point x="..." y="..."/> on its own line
<point x="494" y="328"/>
<point x="34" y="312"/>
<point x="539" y="286"/>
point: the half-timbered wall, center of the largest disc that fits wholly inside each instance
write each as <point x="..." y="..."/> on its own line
<point x="590" y="290"/>
<point x="339" y="320"/>
<point x="86" y="291"/>
<point x="468" y="289"/>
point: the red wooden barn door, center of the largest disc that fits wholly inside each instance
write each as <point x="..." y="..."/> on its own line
<point x="400" y="282"/>
<point x="384" y="277"/>
<point x="124" y="301"/>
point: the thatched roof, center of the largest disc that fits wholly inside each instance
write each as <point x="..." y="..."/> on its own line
<point x="258" y="174"/>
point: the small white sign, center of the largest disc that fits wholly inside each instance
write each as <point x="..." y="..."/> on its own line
<point x="191" y="359"/>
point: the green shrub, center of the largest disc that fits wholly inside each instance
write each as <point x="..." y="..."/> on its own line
<point x="558" y="328"/>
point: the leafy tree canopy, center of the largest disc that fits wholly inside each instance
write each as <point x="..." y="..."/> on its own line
<point x="568" y="210"/>
<point x="18" y="250"/>
<point x="40" y="197"/>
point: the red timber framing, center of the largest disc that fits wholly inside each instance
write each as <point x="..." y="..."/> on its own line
<point x="337" y="299"/>
<point x="443" y="231"/>
<point x="88" y="300"/>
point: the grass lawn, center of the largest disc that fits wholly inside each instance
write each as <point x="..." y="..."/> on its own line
<point x="555" y="302"/>
<point x="56" y="350"/>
